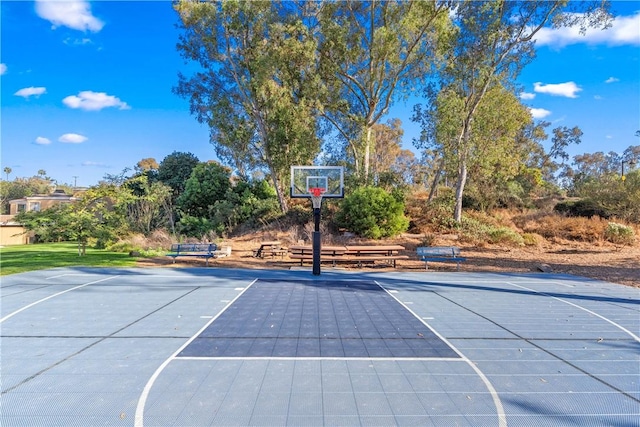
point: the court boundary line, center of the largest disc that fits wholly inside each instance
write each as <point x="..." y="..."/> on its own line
<point x="142" y="400"/>
<point x="10" y="315"/>
<point x="321" y="358"/>
<point x="502" y="417"/>
<point x="622" y="328"/>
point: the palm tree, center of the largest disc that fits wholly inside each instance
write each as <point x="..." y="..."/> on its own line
<point x="7" y="171"/>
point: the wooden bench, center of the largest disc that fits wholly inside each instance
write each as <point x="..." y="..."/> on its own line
<point x="439" y="254"/>
<point x="199" y="250"/>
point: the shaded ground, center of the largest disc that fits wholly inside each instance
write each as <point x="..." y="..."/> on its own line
<point x="600" y="261"/>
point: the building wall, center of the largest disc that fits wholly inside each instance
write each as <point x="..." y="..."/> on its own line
<point x="13" y="234"/>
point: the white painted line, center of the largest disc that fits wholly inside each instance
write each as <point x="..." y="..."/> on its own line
<point x="206" y="317"/>
<point x="238" y="289"/>
<point x="392" y="291"/>
<point x="142" y="401"/>
<point x="428" y="318"/>
<point x="622" y="328"/>
<point x="53" y="296"/>
<point x="225" y="300"/>
<point x="68" y="274"/>
<point x="368" y="359"/>
<point x="502" y="418"/>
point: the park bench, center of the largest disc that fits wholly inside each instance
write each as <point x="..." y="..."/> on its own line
<point x="440" y="254"/>
<point x="199" y="250"/>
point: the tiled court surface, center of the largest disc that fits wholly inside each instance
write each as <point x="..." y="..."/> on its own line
<point x="83" y="347"/>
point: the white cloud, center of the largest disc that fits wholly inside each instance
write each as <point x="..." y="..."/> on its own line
<point x="568" y="89"/>
<point x="3" y="69"/>
<point x="95" y="164"/>
<point x="539" y="113"/>
<point x="612" y="80"/>
<point x="31" y="91"/>
<point x="72" y="138"/>
<point x="41" y="140"/>
<point x="94" y="101"/>
<point x="623" y="31"/>
<point x="527" y="95"/>
<point x="77" y="42"/>
<point x="597" y="97"/>
<point x="75" y="14"/>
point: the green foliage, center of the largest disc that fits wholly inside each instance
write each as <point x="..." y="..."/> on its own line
<point x="197" y="227"/>
<point x="250" y="204"/>
<point x="207" y="184"/>
<point x="175" y="170"/>
<point x="619" y="234"/>
<point x="373" y="213"/>
<point x="147" y="203"/>
<point x="49" y="225"/>
<point x="258" y="90"/>
<point x="585" y="207"/>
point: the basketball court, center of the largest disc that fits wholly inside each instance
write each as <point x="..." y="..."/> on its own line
<point x="221" y="347"/>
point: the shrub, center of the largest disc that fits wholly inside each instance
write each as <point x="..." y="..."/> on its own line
<point x="586" y="208"/>
<point x="532" y="239"/>
<point x="619" y="234"/>
<point x="373" y="213"/>
<point x="505" y="235"/>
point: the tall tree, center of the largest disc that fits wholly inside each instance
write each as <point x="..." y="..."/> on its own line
<point x="495" y="41"/>
<point x="7" y="170"/>
<point x="257" y="90"/>
<point x="371" y="53"/>
<point x="175" y="169"/>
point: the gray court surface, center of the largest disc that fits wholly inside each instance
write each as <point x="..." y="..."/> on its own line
<point x="218" y="347"/>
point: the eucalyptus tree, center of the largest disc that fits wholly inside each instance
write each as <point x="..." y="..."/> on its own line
<point x="371" y="53"/>
<point x="494" y="41"/>
<point x="257" y="88"/>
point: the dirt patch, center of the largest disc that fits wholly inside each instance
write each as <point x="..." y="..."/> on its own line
<point x="600" y="261"/>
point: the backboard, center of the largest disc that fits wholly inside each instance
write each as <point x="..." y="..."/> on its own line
<point x="329" y="178"/>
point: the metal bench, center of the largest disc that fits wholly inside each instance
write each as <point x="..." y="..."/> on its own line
<point x="439" y="254"/>
<point x="199" y="250"/>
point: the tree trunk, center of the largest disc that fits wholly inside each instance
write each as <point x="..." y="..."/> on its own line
<point x="367" y="154"/>
<point x="436" y="180"/>
<point x="284" y="206"/>
<point x="460" y="183"/>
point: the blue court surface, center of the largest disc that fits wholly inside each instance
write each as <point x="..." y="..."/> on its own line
<point x="221" y="347"/>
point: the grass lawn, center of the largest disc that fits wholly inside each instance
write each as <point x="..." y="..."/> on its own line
<point x="21" y="258"/>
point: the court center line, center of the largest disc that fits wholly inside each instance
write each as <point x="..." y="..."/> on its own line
<point x="53" y="296"/>
<point x="622" y="328"/>
<point x="502" y="418"/>
<point x="142" y="401"/>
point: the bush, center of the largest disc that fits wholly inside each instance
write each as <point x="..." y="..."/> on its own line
<point x="586" y="208"/>
<point x="619" y="234"/>
<point x="505" y="235"/>
<point x="373" y="213"/>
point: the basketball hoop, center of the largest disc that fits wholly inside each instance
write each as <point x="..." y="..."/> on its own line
<point x="316" y="196"/>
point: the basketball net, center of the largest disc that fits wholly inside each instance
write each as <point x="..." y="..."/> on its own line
<point x="316" y="196"/>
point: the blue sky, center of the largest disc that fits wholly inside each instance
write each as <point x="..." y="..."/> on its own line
<point x="86" y="87"/>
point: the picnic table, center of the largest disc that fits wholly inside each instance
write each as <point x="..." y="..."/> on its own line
<point x="358" y="254"/>
<point x="271" y="248"/>
<point x="373" y="253"/>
